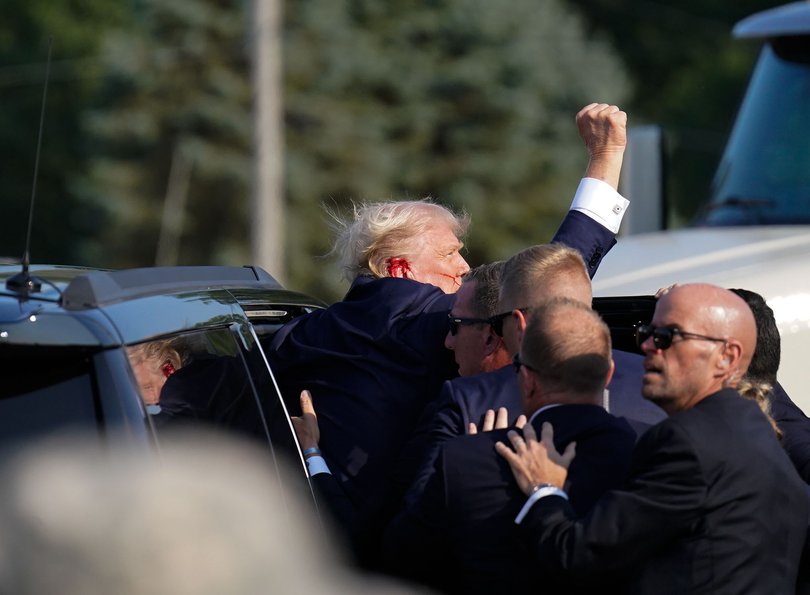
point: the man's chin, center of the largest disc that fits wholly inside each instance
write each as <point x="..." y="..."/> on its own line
<point x="654" y="397"/>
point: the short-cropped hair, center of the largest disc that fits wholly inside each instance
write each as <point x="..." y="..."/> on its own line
<point x="380" y="231"/>
<point x="487" y="279"/>
<point x="526" y="271"/>
<point x="568" y="346"/>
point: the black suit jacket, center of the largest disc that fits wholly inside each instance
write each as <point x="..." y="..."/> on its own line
<point x="713" y="505"/>
<point x="372" y="362"/>
<point x="796" y="430"/>
<point x="465" y="400"/>
<point x="461" y="529"/>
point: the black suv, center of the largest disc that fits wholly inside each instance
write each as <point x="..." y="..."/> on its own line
<point x="72" y="342"/>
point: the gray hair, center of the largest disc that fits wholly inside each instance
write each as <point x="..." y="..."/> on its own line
<point x="487" y="279"/>
<point x="380" y="231"/>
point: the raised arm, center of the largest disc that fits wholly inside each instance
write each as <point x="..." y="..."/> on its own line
<point x="596" y="213"/>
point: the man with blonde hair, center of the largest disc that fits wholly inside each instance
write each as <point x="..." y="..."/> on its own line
<point x="373" y="360"/>
<point x="405" y="239"/>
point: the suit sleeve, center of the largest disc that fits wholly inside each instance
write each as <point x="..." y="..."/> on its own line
<point x="795" y="428"/>
<point x="658" y="505"/>
<point x="599" y="467"/>
<point x="334" y="501"/>
<point x="440" y="422"/>
<point x="415" y="544"/>
<point x="586" y="236"/>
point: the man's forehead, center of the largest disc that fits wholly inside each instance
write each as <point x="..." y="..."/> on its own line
<point x="448" y="243"/>
<point x="680" y="308"/>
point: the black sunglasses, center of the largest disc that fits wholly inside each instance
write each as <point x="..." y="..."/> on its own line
<point x="457" y="321"/>
<point x="662" y="335"/>
<point x="497" y="320"/>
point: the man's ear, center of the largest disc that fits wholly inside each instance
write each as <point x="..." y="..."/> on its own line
<point x="492" y="343"/>
<point x="521" y="322"/>
<point x="610" y="372"/>
<point x="730" y="360"/>
<point x="399" y="268"/>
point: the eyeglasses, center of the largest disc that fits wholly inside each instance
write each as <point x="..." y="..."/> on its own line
<point x="662" y="335"/>
<point x="517" y="363"/>
<point x="497" y="320"/>
<point x="457" y="321"/>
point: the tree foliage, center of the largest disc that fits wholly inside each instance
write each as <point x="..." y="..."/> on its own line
<point x="61" y="221"/>
<point x="178" y="90"/>
<point x="469" y="101"/>
<point x="690" y="75"/>
<point x="466" y="100"/>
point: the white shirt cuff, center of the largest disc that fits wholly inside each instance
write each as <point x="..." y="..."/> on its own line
<point x="600" y="202"/>
<point x="316" y="465"/>
<point x="546" y="490"/>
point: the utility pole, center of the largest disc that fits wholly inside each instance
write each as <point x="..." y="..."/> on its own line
<point x="268" y="212"/>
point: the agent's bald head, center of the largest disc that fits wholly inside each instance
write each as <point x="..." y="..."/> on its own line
<point x="721" y="312"/>
<point x="712" y="351"/>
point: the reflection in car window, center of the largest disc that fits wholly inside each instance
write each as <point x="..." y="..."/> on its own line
<point x="152" y="363"/>
<point x="224" y="383"/>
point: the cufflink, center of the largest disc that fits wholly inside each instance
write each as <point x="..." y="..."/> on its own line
<point x="617" y="209"/>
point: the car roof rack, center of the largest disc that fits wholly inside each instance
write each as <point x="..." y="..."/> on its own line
<point x="99" y="288"/>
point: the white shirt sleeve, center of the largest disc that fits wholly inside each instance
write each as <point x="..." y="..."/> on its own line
<point x="316" y="465"/>
<point x="542" y="492"/>
<point x="600" y="202"/>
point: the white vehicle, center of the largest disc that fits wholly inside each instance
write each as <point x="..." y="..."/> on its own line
<point x="754" y="231"/>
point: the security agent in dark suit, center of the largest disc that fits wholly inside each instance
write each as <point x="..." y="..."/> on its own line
<point x="460" y="528"/>
<point x="373" y="360"/>
<point x="712" y="504"/>
<point x="792" y="423"/>
<point x="528" y="279"/>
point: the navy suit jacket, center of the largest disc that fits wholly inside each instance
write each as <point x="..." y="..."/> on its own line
<point x="712" y="505"/>
<point x="372" y="362"/>
<point x="795" y="427"/>
<point x="461" y="530"/>
<point x="467" y="399"/>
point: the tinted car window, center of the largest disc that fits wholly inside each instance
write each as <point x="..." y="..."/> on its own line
<point x="51" y="389"/>
<point x="222" y="381"/>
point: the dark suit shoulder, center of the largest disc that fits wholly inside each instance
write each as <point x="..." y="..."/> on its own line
<point x="603" y="453"/>
<point x="472" y="396"/>
<point x="722" y="432"/>
<point x="795" y="428"/>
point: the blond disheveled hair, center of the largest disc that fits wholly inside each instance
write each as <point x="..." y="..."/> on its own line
<point x="159" y="352"/>
<point x="379" y="231"/>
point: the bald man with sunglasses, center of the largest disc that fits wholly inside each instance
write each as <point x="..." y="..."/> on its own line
<point x="712" y="503"/>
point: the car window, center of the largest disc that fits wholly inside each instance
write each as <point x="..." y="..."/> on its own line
<point x="51" y="389"/>
<point x="218" y="379"/>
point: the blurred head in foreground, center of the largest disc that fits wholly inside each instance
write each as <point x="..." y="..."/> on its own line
<point x="206" y="515"/>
